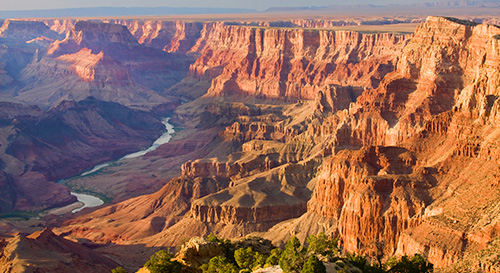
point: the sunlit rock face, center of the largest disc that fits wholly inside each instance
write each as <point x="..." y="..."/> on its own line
<point x="439" y="106"/>
<point x="292" y="63"/>
<point x="380" y="139"/>
<point x="96" y="59"/>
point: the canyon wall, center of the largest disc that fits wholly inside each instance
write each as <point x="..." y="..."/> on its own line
<point x="26" y="30"/>
<point x="239" y="59"/>
<point x="74" y="60"/>
<point x="390" y="137"/>
<point x="439" y="107"/>
<point x="293" y="63"/>
<point x="40" y="147"/>
<point x="374" y="194"/>
<point x="397" y="139"/>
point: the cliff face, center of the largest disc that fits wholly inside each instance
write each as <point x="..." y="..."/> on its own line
<point x="374" y="194"/>
<point x="234" y="59"/>
<point x="95" y="36"/>
<point x="292" y="63"/>
<point x="268" y="181"/>
<point x="260" y="200"/>
<point x="440" y="105"/>
<point x="40" y="147"/>
<point x="26" y="30"/>
<point x="95" y="59"/>
<point x="435" y="77"/>
<point x="169" y="36"/>
<point x="391" y="140"/>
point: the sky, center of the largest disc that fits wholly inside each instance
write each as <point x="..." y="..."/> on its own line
<point x="249" y="4"/>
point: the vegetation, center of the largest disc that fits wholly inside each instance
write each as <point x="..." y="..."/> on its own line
<point x="226" y="245"/>
<point x="20" y="215"/>
<point x="293" y="258"/>
<point x="322" y="245"/>
<point x="161" y="262"/>
<point x="415" y="264"/>
<point x="313" y="265"/>
<point x="274" y="258"/>
<point x="462" y="22"/>
<point x="219" y="265"/>
<point x="362" y="263"/>
<point x="119" y="270"/>
<point x="246" y="257"/>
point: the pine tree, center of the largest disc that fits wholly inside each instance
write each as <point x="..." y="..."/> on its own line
<point x="313" y="265"/>
<point x="293" y="257"/>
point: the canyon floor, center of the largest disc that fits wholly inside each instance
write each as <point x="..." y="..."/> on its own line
<point x="377" y="129"/>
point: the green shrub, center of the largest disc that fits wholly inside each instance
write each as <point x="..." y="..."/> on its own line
<point x="362" y="263"/>
<point x="119" y="270"/>
<point x="161" y="262"/>
<point x="322" y="245"/>
<point x="244" y="257"/>
<point x="415" y="264"/>
<point x="227" y="246"/>
<point x="293" y="257"/>
<point x="313" y="265"/>
<point x="212" y="238"/>
<point x="219" y="265"/>
<point x="274" y="258"/>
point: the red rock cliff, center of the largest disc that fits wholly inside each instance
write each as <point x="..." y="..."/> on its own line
<point x="373" y="194"/>
<point x="441" y="106"/>
<point x="292" y="63"/>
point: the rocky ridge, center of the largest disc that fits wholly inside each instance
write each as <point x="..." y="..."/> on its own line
<point x="421" y="134"/>
<point x="396" y="154"/>
<point x="39" y="148"/>
<point x="293" y="63"/>
<point x="24" y="253"/>
<point x="26" y="30"/>
<point x="439" y="109"/>
<point x="232" y="58"/>
<point x="95" y="59"/>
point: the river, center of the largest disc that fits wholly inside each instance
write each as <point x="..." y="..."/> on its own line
<point x="90" y="201"/>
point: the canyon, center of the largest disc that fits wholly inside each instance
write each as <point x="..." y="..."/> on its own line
<point x="283" y="128"/>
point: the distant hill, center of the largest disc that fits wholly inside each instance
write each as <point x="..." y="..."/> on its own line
<point x="433" y="5"/>
<point x="115" y="11"/>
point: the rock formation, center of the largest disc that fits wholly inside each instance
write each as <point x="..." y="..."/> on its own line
<point x="39" y="148"/>
<point x="198" y="251"/>
<point x="292" y="63"/>
<point x="373" y="193"/>
<point x="439" y="105"/>
<point x="44" y="251"/>
<point x="26" y="30"/>
<point x="95" y="59"/>
<point x="376" y="138"/>
<point x="169" y="36"/>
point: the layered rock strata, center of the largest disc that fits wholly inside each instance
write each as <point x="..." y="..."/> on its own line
<point x="243" y="60"/>
<point x="398" y="141"/>
<point x="41" y="147"/>
<point x="95" y="59"/>
<point x="292" y="63"/>
<point x="26" y="30"/>
<point x="440" y="105"/>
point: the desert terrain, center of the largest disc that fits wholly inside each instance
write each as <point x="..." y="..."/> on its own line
<point x="381" y="130"/>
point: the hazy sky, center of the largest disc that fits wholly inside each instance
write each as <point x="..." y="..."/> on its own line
<point x="251" y="4"/>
